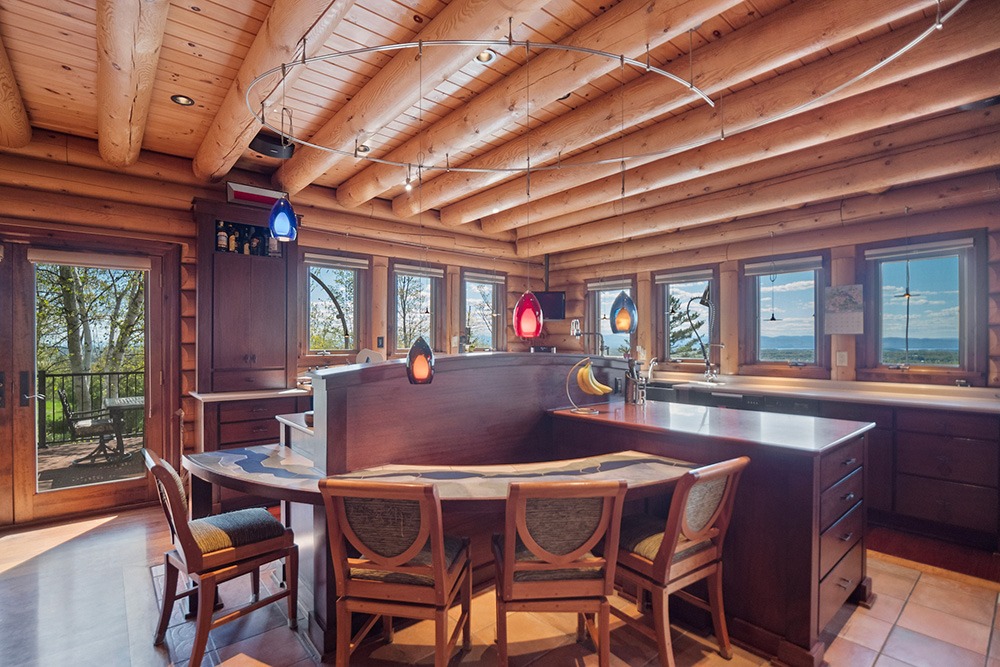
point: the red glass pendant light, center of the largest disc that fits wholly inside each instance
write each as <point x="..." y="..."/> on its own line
<point x="420" y="362"/>
<point x="528" y="316"/>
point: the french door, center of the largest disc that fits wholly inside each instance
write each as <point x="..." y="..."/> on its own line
<point x="81" y="387"/>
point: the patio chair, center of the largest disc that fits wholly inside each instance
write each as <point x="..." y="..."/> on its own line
<point x="87" y="425"/>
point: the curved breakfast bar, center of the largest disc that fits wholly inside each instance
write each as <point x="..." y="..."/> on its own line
<point x="795" y="552"/>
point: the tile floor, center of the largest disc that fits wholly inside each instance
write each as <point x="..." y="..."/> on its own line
<point x="81" y="593"/>
<point x="922" y="617"/>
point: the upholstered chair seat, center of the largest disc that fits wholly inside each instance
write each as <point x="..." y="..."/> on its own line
<point x="215" y="549"/>
<point x="546" y="558"/>
<point x="390" y="557"/>
<point x="658" y="557"/>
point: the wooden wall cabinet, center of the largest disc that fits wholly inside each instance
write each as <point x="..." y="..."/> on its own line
<point x="246" y="308"/>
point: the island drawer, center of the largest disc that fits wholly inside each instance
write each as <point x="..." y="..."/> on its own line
<point x="955" y="424"/>
<point x="237" y="411"/>
<point x="841" y="497"/>
<point x="949" y="458"/>
<point x="840" y="462"/>
<point x="952" y="503"/>
<point x="839" y="584"/>
<point x="840" y="537"/>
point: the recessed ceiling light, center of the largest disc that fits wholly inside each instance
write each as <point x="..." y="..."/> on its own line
<point x="486" y="56"/>
<point x="182" y="100"/>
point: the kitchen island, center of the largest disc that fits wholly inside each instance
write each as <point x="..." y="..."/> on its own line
<point x="796" y="542"/>
<point x="795" y="550"/>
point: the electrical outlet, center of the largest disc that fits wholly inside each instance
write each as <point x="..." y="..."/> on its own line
<point x="380" y="341"/>
<point x="841" y="358"/>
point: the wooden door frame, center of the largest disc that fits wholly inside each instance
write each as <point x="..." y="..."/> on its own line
<point x="163" y="353"/>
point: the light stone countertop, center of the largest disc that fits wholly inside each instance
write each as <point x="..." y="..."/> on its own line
<point x="971" y="399"/>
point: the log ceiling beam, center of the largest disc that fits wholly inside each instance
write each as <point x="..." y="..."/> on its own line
<point x="288" y="23"/>
<point x="551" y="74"/>
<point x="752" y="155"/>
<point x="53" y="150"/>
<point x="776" y="40"/>
<point x="786" y="93"/>
<point x="15" y="128"/>
<point x="934" y="160"/>
<point x="716" y="243"/>
<point x="129" y="36"/>
<point x="399" y="84"/>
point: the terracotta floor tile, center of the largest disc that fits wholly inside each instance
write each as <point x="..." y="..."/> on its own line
<point x="278" y="647"/>
<point x="946" y="627"/>
<point x="966" y="585"/>
<point x="845" y="653"/>
<point x="867" y="631"/>
<point x="886" y="608"/>
<point x="957" y="600"/>
<point x="892" y="584"/>
<point x="886" y="661"/>
<point x="920" y="650"/>
<point x="877" y="565"/>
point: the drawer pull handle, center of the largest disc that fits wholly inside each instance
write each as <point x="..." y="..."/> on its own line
<point x="849" y="497"/>
<point x="259" y="429"/>
<point x="844" y="583"/>
<point x="847" y="537"/>
<point x="257" y="410"/>
<point x="941" y="458"/>
<point x="849" y="462"/>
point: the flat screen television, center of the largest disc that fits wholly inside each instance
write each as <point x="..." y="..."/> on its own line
<point x="553" y="305"/>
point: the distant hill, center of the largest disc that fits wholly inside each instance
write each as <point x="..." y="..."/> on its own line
<point x="892" y="343"/>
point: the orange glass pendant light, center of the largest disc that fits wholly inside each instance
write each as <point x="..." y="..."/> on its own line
<point x="528" y="316"/>
<point x="624" y="316"/>
<point x="420" y="362"/>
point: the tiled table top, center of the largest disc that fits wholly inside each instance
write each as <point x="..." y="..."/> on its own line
<point x="280" y="469"/>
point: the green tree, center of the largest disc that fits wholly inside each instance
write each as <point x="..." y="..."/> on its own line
<point x="413" y="315"/>
<point x="331" y="309"/>
<point x="89" y="321"/>
<point x="480" y="316"/>
<point x="683" y="341"/>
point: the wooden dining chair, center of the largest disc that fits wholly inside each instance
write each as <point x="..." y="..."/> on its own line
<point x="216" y="549"/>
<point x="391" y="558"/>
<point x="662" y="557"/>
<point x="545" y="559"/>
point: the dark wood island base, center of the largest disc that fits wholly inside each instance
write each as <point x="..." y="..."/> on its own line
<point x="795" y="551"/>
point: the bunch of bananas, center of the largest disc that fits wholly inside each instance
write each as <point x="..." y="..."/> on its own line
<point x="588" y="383"/>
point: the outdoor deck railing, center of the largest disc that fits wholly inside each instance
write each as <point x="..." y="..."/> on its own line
<point x="85" y="391"/>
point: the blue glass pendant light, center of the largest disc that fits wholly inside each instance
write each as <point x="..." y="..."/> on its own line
<point x="624" y="316"/>
<point x="282" y="222"/>
<point x="420" y="362"/>
<point x="528" y="316"/>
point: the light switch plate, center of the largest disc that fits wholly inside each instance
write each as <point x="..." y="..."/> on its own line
<point x="841" y="358"/>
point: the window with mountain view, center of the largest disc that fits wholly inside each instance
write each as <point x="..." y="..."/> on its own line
<point x="482" y="310"/>
<point x="783" y="310"/>
<point x="924" y="313"/>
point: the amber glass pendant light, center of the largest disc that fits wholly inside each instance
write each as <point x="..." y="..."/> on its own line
<point x="420" y="362"/>
<point x="624" y="316"/>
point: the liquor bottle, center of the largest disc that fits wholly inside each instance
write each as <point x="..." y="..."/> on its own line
<point x="221" y="238"/>
<point x="234" y="238"/>
<point x="273" y="248"/>
<point x="255" y="244"/>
